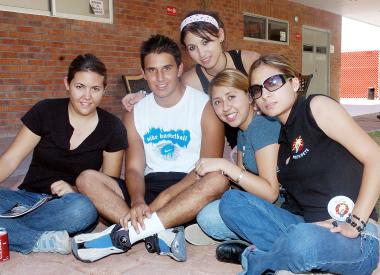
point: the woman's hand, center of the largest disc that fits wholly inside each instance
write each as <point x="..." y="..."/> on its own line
<point x="343" y="228"/>
<point x="130" y="100"/>
<point x="61" y="187"/>
<point x="207" y="165"/>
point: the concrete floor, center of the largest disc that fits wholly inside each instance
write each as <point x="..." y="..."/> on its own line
<point x="137" y="261"/>
<point x="201" y="259"/>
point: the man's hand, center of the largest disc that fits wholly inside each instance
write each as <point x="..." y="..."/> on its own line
<point x="130" y="100"/>
<point x="137" y="214"/>
<point x="343" y="228"/>
<point x="61" y="187"/>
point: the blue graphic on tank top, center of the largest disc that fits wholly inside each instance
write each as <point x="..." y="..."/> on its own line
<point x="167" y="143"/>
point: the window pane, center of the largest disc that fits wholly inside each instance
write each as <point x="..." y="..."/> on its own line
<point x="308" y="48"/>
<point x="81" y="7"/>
<point x="321" y="49"/>
<point x="277" y="31"/>
<point x="254" y="27"/>
<point x="27" y="4"/>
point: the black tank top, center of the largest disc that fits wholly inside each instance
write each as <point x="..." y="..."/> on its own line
<point x="230" y="132"/>
<point x="238" y="63"/>
<point x="319" y="168"/>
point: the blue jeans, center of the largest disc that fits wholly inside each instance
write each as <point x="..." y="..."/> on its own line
<point x="283" y="241"/>
<point x="72" y="212"/>
<point x="210" y="221"/>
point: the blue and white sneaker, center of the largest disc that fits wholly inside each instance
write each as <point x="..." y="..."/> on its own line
<point x="170" y="242"/>
<point x="94" y="246"/>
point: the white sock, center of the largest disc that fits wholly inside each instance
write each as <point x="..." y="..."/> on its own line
<point x="152" y="226"/>
<point x="167" y="236"/>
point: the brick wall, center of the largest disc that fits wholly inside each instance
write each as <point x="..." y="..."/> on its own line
<point x="35" y="50"/>
<point x="364" y="64"/>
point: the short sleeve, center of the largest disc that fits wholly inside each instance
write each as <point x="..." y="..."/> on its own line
<point x="240" y="141"/>
<point x="267" y="131"/>
<point x="34" y="118"/>
<point x="118" y="139"/>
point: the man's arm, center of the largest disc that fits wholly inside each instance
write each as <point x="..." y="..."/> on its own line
<point x="212" y="146"/>
<point x="134" y="174"/>
<point x="212" y="134"/>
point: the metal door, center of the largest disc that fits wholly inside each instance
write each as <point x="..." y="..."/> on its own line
<point x="315" y="59"/>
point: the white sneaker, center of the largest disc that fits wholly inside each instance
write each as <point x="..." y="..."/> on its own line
<point x="195" y="235"/>
<point x="94" y="246"/>
<point x="170" y="242"/>
<point x="53" y="241"/>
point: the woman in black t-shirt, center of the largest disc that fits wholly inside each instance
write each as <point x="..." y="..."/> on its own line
<point x="326" y="162"/>
<point x="67" y="136"/>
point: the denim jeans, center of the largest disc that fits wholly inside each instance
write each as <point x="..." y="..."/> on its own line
<point x="283" y="241"/>
<point x="72" y="212"/>
<point x="210" y="221"/>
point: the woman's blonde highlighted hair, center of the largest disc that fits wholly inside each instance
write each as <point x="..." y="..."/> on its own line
<point x="230" y="78"/>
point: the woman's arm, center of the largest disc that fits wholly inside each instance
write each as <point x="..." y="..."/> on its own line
<point x="264" y="186"/>
<point x="22" y="145"/>
<point x="112" y="162"/>
<point x="339" y="126"/>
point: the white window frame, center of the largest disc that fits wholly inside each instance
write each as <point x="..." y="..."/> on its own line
<point x="53" y="13"/>
<point x="266" y="40"/>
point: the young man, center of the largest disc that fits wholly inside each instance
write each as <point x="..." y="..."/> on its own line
<point x="168" y="131"/>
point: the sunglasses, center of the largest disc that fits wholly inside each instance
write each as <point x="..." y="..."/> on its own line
<point x="271" y="84"/>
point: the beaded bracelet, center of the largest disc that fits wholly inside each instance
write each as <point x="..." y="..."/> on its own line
<point x="364" y="224"/>
<point x="351" y="222"/>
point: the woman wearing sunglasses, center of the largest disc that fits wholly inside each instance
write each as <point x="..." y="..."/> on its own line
<point x="325" y="160"/>
<point x="203" y="35"/>
<point x="257" y="144"/>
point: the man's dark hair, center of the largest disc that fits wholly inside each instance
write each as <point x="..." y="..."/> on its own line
<point x="160" y="44"/>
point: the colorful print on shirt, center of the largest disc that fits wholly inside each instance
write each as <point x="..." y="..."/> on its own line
<point x="298" y="148"/>
<point x="167" y="144"/>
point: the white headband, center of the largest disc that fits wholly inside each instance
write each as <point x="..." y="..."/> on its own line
<point x="199" y="18"/>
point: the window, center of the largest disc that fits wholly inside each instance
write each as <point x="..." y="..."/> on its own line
<point x="267" y="29"/>
<point x="277" y="31"/>
<point x="89" y="10"/>
<point x="321" y="49"/>
<point x="254" y="27"/>
<point x="308" y="48"/>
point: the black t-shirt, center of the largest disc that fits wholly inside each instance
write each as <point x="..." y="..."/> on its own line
<point x="319" y="168"/>
<point x="52" y="158"/>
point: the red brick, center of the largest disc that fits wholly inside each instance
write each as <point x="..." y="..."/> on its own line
<point x="31" y="46"/>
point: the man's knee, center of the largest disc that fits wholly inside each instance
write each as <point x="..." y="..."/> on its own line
<point x="213" y="185"/>
<point x="86" y="180"/>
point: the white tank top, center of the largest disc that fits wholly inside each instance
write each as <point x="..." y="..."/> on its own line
<point x="172" y="136"/>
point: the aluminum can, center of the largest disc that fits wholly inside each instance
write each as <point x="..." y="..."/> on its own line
<point x="4" y="245"/>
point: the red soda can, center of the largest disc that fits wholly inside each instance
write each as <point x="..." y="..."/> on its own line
<point x="4" y="246"/>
